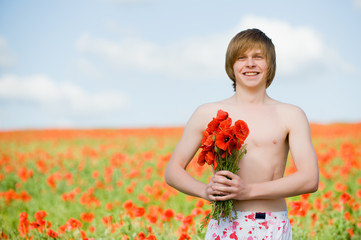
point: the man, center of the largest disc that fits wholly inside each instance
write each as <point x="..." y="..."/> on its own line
<point x="259" y="189"/>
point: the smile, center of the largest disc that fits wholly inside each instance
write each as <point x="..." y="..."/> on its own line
<point x="251" y="73"/>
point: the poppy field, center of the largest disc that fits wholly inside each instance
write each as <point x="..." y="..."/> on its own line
<point x="109" y="184"/>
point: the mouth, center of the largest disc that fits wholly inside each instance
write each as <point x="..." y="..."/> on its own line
<point x="250" y="73"/>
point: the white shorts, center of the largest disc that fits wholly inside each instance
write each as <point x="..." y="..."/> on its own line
<point x="251" y="226"/>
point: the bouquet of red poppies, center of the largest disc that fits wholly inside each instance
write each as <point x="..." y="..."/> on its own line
<point x="222" y="147"/>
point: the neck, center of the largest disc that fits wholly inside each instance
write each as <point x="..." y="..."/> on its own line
<point x="251" y="96"/>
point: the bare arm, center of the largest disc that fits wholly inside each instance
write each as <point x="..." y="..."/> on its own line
<point x="176" y="174"/>
<point x="304" y="180"/>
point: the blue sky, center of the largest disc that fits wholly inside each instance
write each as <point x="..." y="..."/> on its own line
<point x="144" y="63"/>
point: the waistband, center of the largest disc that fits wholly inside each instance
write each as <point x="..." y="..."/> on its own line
<point x="260" y="215"/>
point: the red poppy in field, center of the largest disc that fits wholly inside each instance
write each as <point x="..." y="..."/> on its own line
<point x="107" y="220"/>
<point x="87" y="217"/>
<point x="347" y="216"/>
<point x="152" y="218"/>
<point x="340" y="187"/>
<point x="95" y="174"/>
<point x="140" y="236"/>
<point x="40" y="215"/>
<point x="128" y="204"/>
<point x="3" y="236"/>
<point x="109" y="206"/>
<point x="139" y="211"/>
<point x="23" y="224"/>
<point x="52" y="233"/>
<point x="344" y="197"/>
<point x="200" y="203"/>
<point x="184" y="236"/>
<point x="24" y="196"/>
<point x="24" y="174"/>
<point x="358" y="193"/>
<point x="34" y="225"/>
<point x="143" y="198"/>
<point x="196" y="211"/>
<point x="83" y="235"/>
<point x="51" y="181"/>
<point x="168" y="214"/>
<point x="150" y="237"/>
<point x="299" y="208"/>
<point x="317" y="204"/>
<point x="73" y="224"/>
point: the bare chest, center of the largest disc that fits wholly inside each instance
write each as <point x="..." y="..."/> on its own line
<point x="266" y="129"/>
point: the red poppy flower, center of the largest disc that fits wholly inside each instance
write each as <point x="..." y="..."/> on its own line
<point x="52" y="234"/>
<point x="168" y="214"/>
<point x="87" y="217"/>
<point x="221" y="115"/>
<point x="213" y="125"/>
<point x="225" y="124"/>
<point x="202" y="158"/>
<point x="151" y="237"/>
<point x="207" y="141"/>
<point x="184" y="236"/>
<point x="240" y="130"/>
<point x="107" y="220"/>
<point x="210" y="156"/>
<point x="23" y="224"/>
<point x="139" y="211"/>
<point x="73" y="223"/>
<point x="344" y="197"/>
<point x="128" y="204"/>
<point x="40" y="215"/>
<point x="223" y="139"/>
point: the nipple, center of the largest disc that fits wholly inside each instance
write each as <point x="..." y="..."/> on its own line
<point x="274" y="141"/>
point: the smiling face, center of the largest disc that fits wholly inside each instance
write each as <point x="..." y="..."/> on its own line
<point x="242" y="44"/>
<point x="250" y="68"/>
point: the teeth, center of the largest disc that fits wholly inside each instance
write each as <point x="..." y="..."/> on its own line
<point x="250" y="73"/>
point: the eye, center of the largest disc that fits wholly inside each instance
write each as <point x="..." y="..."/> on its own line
<point x="259" y="57"/>
<point x="241" y="57"/>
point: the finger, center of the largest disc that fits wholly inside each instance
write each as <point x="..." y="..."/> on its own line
<point x="221" y="189"/>
<point x="212" y="198"/>
<point x="222" y="180"/>
<point x="226" y="174"/>
<point x="223" y="198"/>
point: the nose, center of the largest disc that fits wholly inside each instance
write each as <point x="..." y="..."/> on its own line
<point x="250" y="62"/>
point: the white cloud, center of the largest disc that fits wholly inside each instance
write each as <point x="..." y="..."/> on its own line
<point x="296" y="46"/>
<point x="63" y="97"/>
<point x="7" y="58"/>
<point x="87" y="68"/>
<point x="300" y="49"/>
<point x="193" y="57"/>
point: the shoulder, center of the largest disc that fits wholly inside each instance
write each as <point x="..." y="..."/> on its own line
<point x="286" y="109"/>
<point x="204" y="114"/>
<point x="207" y="111"/>
<point x="291" y="115"/>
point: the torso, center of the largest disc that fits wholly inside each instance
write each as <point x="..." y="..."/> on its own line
<point x="267" y="148"/>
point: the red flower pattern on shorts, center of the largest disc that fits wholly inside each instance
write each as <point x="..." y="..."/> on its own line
<point x="247" y="227"/>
